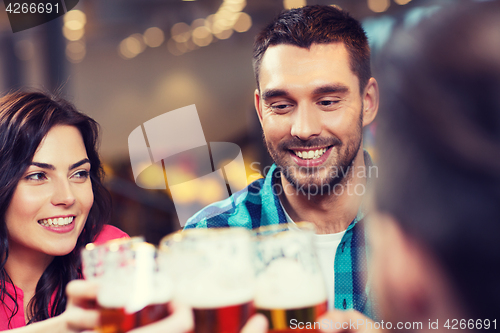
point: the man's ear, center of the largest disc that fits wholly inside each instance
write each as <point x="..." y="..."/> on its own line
<point x="370" y="101"/>
<point x="257" y="105"/>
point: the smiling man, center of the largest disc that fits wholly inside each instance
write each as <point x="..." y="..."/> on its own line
<point x="314" y="95"/>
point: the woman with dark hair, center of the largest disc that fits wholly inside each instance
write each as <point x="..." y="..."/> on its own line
<point x="52" y="203"/>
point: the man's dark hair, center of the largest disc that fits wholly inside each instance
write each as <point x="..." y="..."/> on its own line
<point x="439" y="147"/>
<point x="309" y="25"/>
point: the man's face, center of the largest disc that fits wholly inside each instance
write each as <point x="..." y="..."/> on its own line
<point x="310" y="109"/>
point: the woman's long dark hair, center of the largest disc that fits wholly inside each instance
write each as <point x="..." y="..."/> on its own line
<point x="25" y="119"/>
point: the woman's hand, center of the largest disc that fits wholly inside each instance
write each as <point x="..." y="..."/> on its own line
<point x="81" y="313"/>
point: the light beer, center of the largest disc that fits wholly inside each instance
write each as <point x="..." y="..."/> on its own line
<point x="287" y="320"/>
<point x="290" y="291"/>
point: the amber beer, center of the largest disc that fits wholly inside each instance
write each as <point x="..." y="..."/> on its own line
<point x="213" y="274"/>
<point x="117" y="320"/>
<point x="226" y="319"/>
<point x="134" y="291"/>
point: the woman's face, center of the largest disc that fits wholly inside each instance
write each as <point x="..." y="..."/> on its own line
<point x="52" y="200"/>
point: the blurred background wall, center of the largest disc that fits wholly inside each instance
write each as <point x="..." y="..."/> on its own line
<point x="124" y="62"/>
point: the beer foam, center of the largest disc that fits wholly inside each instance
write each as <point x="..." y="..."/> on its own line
<point x="113" y="296"/>
<point x="209" y="297"/>
<point x="216" y="287"/>
<point x="286" y="285"/>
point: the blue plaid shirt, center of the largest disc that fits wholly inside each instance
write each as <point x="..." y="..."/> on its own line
<point x="259" y="205"/>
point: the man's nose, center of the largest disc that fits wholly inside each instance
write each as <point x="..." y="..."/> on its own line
<point x="306" y="123"/>
<point x="63" y="194"/>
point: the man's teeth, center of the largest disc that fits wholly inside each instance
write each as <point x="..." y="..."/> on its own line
<point x="57" y="222"/>
<point x="310" y="154"/>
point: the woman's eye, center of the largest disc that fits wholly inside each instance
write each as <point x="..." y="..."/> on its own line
<point x="82" y="175"/>
<point x="36" y="176"/>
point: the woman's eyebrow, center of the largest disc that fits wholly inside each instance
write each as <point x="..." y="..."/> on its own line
<point x="77" y="164"/>
<point x="43" y="165"/>
<point x="51" y="167"/>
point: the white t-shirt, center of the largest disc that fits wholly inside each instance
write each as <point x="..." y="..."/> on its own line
<point x="326" y="246"/>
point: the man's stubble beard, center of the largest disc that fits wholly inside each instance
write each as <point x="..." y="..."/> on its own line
<point x="337" y="174"/>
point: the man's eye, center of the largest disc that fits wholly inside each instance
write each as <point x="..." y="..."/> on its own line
<point x="280" y="107"/>
<point x="328" y="102"/>
<point x="36" y="176"/>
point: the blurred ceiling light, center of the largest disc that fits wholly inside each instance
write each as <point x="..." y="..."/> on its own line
<point x="136" y="43"/>
<point x="172" y="48"/>
<point x="253" y="177"/>
<point x="209" y="21"/>
<point x="402" y="2"/>
<point x="73" y="34"/>
<point x="24" y="50"/>
<point x="202" y="36"/>
<point x="124" y="51"/>
<point x="243" y="22"/>
<point x="183" y="47"/>
<point x="75" y="51"/>
<point x="74" y="25"/>
<point x="188" y="192"/>
<point x="154" y="37"/>
<point x="234" y="7"/>
<point x="152" y="177"/>
<point x="75" y="15"/>
<point x="197" y="23"/>
<point x="290" y="4"/>
<point x="222" y="24"/>
<point x="191" y="45"/>
<point x="224" y="34"/>
<point x="209" y="192"/>
<point x="181" y="32"/>
<point x="379" y="6"/>
<point x="132" y="46"/>
<point x="222" y="15"/>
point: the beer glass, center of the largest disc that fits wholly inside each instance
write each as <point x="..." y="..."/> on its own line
<point x="290" y="289"/>
<point x="93" y="255"/>
<point x="214" y="274"/>
<point x="134" y="289"/>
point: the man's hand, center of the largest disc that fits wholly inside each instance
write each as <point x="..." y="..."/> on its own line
<point x="347" y="321"/>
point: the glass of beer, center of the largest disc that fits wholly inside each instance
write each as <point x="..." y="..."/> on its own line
<point x="93" y="255"/>
<point x="134" y="288"/>
<point x="214" y="274"/>
<point x="290" y="290"/>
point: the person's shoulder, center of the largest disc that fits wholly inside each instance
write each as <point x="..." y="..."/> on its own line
<point x="110" y="232"/>
<point x="231" y="212"/>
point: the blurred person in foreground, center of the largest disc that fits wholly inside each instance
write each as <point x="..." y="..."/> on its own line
<point x="52" y="203"/>
<point x="314" y="95"/>
<point x="436" y="248"/>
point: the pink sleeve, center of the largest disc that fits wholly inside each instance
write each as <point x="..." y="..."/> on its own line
<point x="110" y="232"/>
